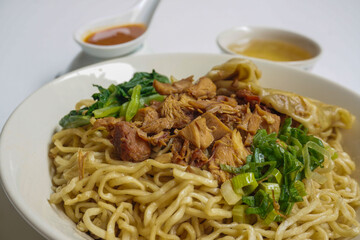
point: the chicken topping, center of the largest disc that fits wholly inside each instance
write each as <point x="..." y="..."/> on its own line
<point x="223" y="153"/>
<point x="175" y="111"/>
<point x="205" y="88"/>
<point x="218" y="129"/>
<point x="177" y="87"/>
<point x="128" y="144"/>
<point x="198" y="133"/>
<point x="193" y="126"/>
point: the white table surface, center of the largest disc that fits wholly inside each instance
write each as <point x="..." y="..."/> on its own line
<point x="36" y="45"/>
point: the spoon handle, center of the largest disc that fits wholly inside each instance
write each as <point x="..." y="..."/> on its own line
<point x="145" y="10"/>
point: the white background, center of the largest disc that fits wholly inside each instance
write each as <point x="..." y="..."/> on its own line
<point x="36" y="45"/>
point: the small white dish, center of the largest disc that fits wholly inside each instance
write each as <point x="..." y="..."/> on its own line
<point x="243" y="34"/>
<point x="140" y="14"/>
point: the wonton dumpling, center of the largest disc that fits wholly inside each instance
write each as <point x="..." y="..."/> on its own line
<point x="243" y="70"/>
<point x="313" y="114"/>
<point x="316" y="116"/>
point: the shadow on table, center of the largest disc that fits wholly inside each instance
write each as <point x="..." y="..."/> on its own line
<point x="83" y="60"/>
<point x="12" y="225"/>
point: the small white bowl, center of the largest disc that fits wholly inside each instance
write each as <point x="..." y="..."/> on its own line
<point x="241" y="35"/>
<point x="108" y="51"/>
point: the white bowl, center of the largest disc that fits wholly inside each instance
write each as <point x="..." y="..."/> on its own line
<point x="241" y="35"/>
<point x="25" y="139"/>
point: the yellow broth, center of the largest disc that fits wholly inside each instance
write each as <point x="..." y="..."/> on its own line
<point x="271" y="50"/>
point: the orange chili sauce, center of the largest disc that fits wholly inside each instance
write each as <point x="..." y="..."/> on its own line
<point x="116" y="35"/>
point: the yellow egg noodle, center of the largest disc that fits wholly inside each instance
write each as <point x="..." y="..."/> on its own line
<point x="113" y="199"/>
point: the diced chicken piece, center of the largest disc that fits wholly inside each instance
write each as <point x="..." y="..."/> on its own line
<point x="183" y="84"/>
<point x="250" y="121"/>
<point x="160" y="139"/>
<point x="228" y="100"/>
<point x="151" y="123"/>
<point x="146" y="115"/>
<point x="246" y="96"/>
<point x="198" y="133"/>
<point x="181" y="151"/>
<point x="223" y="153"/>
<point x="254" y="123"/>
<point x="157" y="125"/>
<point x="108" y="123"/>
<point x="202" y="104"/>
<point x="205" y="88"/>
<point x="184" y="100"/>
<point x="240" y="151"/>
<point x="219" y="129"/>
<point x="271" y="122"/>
<point x="176" y="87"/>
<point x="128" y="144"/>
<point x="229" y="120"/>
<point x="198" y="158"/>
<point x="222" y="108"/>
<point x="243" y="124"/>
<point x="156" y="105"/>
<point x="174" y="110"/>
<point x="249" y="140"/>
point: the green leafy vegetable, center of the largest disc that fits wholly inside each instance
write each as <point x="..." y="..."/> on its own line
<point x="279" y="163"/>
<point x="123" y="100"/>
<point x="133" y="104"/>
<point x="74" y="119"/>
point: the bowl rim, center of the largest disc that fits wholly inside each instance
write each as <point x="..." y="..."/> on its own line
<point x="314" y="58"/>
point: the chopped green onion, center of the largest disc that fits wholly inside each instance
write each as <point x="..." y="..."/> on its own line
<point x="300" y="187"/>
<point x="269" y="188"/>
<point x="318" y="148"/>
<point x="244" y="183"/>
<point x="271" y="217"/>
<point x="279" y="163"/>
<point x="318" y="177"/>
<point x="228" y="193"/>
<point x="260" y="168"/>
<point x="263" y="204"/>
<point x="286" y="127"/>
<point x="307" y="161"/>
<point x="230" y="169"/>
<point x="276" y="176"/>
<point x="238" y="213"/>
<point x="296" y="142"/>
<point x="249" y="200"/>
<point x="288" y="208"/>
